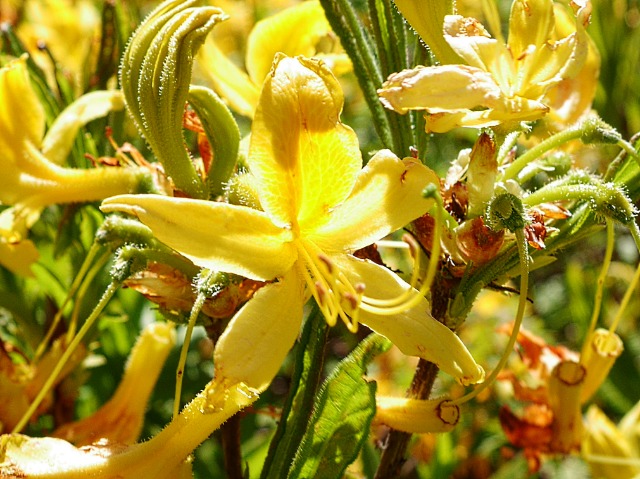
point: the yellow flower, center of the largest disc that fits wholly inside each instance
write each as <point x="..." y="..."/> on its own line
<point x="70" y="29"/>
<point x="294" y="31"/>
<point x="500" y="83"/>
<point x="318" y="206"/>
<point x="571" y="99"/>
<point x="612" y="450"/>
<point x="165" y="456"/>
<point x="16" y="252"/>
<point x="32" y="177"/>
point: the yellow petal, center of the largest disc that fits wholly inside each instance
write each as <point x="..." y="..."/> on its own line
<point x="338" y="63"/>
<point x="505" y="110"/>
<point x="571" y="98"/>
<point x="218" y="236"/>
<point x="305" y="161"/>
<point x="546" y="67"/>
<point x="417" y="416"/>
<point x="470" y="40"/>
<point x="415" y="331"/>
<point x="164" y="456"/>
<point x="426" y="17"/>
<point x="294" y="31"/>
<point x="437" y="89"/>
<point x="17" y="253"/>
<point x="387" y="196"/>
<point x="21" y="115"/>
<point x="530" y="23"/>
<point x="256" y="341"/>
<point x="60" y="137"/>
<point x="629" y="427"/>
<point x="24" y="456"/>
<point x="227" y="79"/>
<point x="602" y="438"/>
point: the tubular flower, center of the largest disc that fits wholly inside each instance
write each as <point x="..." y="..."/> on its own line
<point x="318" y="205"/>
<point x="500" y="83"/>
<point x="32" y="177"/>
<point x="165" y="456"/>
<point x="120" y="419"/>
<point x="294" y="31"/>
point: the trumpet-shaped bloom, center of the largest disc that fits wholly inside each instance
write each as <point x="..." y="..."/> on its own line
<point x="500" y="83"/>
<point x="165" y="456"/>
<point x="120" y="419"/>
<point x="296" y="30"/>
<point x="32" y="177"/>
<point x="318" y="205"/>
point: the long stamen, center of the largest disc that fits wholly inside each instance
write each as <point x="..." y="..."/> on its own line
<point x="402" y="298"/>
<point x="319" y="289"/>
<point x="335" y="295"/>
<point x="400" y="303"/>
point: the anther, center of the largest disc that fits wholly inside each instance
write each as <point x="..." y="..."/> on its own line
<point x="322" y="293"/>
<point x="352" y="300"/>
<point x="324" y="259"/>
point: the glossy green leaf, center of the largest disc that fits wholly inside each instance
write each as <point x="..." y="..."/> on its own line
<point x="342" y="416"/>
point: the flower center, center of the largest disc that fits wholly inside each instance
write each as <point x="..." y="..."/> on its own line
<point x="337" y="297"/>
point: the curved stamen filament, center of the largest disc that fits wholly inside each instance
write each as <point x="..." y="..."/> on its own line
<point x="410" y="296"/>
<point x="335" y="295"/>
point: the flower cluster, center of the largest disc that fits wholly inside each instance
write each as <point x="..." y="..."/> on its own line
<point x="264" y="181"/>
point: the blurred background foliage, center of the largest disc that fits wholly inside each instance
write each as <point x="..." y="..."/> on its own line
<point x="75" y="47"/>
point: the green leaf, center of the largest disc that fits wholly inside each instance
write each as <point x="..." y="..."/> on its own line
<point x="222" y="132"/>
<point x="155" y="75"/>
<point x="342" y="416"/>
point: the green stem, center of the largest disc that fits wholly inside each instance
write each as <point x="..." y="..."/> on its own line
<point x="625" y="300"/>
<point x="195" y="311"/>
<point x="77" y="281"/>
<point x="82" y="291"/>
<point x="343" y="20"/>
<point x="523" y="253"/>
<point x="606" y="262"/>
<point x="540" y="149"/>
<point x="106" y="297"/>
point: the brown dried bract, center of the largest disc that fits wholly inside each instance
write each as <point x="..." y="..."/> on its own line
<point x="537" y="230"/>
<point x="477" y="242"/>
<point x="173" y="291"/>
